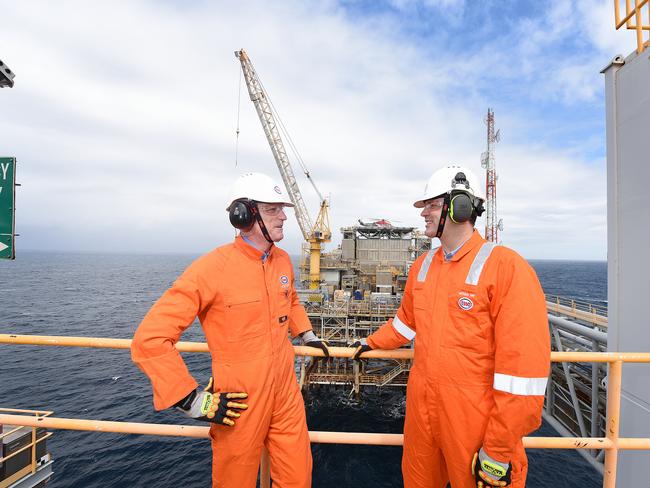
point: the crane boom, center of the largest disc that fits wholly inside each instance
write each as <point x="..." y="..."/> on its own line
<point x="265" y="113"/>
<point x="316" y="234"/>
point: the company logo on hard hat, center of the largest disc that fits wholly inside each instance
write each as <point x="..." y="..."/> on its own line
<point x="284" y="280"/>
<point x="465" y="303"/>
<point x="277" y="190"/>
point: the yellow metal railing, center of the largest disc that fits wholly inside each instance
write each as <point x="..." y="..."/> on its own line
<point x="611" y="443"/>
<point x="34" y="415"/>
<point x="578" y="309"/>
<point x="633" y="12"/>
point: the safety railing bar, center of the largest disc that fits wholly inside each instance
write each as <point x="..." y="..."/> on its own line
<point x="12" y="431"/>
<point x="343" y="352"/>
<point x="24" y="448"/>
<point x="630" y="13"/>
<point x="635" y="444"/>
<point x="35" y="412"/>
<point x="319" y="437"/>
<point x="18" y="427"/>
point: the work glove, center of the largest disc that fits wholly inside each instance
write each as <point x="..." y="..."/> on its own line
<point x="310" y="339"/>
<point x="361" y="346"/>
<point x="218" y="408"/>
<point x="490" y="473"/>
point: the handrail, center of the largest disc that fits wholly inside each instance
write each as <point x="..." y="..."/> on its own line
<point x="31" y="446"/>
<point x="638" y="25"/>
<point x="317" y="437"/>
<point x="106" y="343"/>
<point x="338" y="352"/>
<point x="612" y="443"/>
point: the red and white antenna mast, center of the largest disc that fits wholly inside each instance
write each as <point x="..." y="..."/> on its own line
<point x="492" y="225"/>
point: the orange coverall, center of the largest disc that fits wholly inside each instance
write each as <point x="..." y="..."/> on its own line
<point x="482" y="358"/>
<point x="245" y="307"/>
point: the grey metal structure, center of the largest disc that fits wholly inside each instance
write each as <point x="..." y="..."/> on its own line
<point x="627" y="91"/>
<point x="6" y="76"/>
<point x="575" y="399"/>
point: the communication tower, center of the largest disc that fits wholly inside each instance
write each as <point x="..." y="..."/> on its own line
<point x="492" y="225"/>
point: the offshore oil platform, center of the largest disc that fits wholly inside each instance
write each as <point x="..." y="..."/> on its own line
<point x="361" y="286"/>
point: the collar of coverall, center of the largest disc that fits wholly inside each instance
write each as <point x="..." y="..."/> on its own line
<point x="471" y="243"/>
<point x="251" y="251"/>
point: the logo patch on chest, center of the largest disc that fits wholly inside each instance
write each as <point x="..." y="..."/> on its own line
<point x="465" y="303"/>
<point x="284" y="279"/>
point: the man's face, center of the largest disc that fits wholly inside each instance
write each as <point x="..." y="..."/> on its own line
<point x="431" y="214"/>
<point x="273" y="216"/>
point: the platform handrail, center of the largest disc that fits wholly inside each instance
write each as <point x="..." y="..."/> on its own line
<point x="612" y="443"/>
<point x="635" y="11"/>
<point x="34" y="416"/>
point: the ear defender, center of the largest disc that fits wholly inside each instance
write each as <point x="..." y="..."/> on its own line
<point x="479" y="208"/>
<point x="242" y="214"/>
<point x="461" y="208"/>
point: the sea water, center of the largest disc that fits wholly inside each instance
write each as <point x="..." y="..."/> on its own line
<point x="106" y="295"/>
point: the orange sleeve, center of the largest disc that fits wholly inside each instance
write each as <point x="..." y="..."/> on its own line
<point x="153" y="346"/>
<point x="298" y="320"/>
<point x="400" y="330"/>
<point x="522" y="357"/>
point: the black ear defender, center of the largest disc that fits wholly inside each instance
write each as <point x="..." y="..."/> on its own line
<point x="460" y="207"/>
<point x="479" y="208"/>
<point x="242" y="213"/>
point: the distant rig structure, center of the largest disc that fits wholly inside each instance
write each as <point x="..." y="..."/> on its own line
<point x="492" y="224"/>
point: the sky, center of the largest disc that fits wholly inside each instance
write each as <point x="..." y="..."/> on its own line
<point x="124" y="114"/>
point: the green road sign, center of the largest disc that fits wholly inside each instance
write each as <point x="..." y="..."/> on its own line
<point x="7" y="205"/>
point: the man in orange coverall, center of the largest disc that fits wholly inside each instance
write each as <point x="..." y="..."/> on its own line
<point x="244" y="297"/>
<point x="482" y="352"/>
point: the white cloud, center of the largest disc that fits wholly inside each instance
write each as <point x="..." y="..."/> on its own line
<point x="123" y="119"/>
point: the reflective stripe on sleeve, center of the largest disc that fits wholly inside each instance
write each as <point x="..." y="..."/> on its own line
<point x="422" y="275"/>
<point x="403" y="329"/>
<point x="519" y="386"/>
<point x="479" y="261"/>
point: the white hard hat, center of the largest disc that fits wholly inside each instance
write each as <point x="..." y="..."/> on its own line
<point x="451" y="178"/>
<point x="258" y="187"/>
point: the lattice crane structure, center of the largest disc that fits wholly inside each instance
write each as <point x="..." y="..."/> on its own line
<point x="314" y="234"/>
<point x="492" y="224"/>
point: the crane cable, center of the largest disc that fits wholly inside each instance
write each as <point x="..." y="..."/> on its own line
<point x="238" y="111"/>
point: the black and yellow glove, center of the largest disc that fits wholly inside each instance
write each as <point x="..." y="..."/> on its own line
<point x="361" y="346"/>
<point x="490" y="473"/>
<point x="310" y="339"/>
<point x="218" y="408"/>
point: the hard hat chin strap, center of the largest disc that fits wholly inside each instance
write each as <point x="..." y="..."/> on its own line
<point x="258" y="217"/>
<point x="443" y="215"/>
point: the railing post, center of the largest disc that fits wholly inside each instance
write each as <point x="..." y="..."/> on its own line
<point x="613" y="422"/>
<point x="33" y="450"/>
<point x="265" y="469"/>
<point x="595" y="414"/>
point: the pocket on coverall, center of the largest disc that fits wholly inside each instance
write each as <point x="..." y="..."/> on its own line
<point x="469" y="324"/>
<point x="244" y="318"/>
